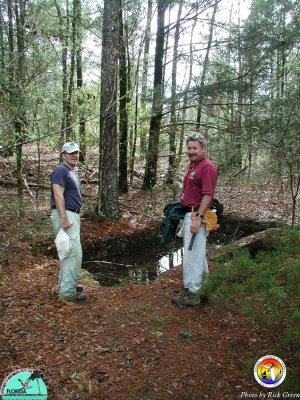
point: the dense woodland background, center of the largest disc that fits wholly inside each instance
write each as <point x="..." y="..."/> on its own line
<point x="132" y="78"/>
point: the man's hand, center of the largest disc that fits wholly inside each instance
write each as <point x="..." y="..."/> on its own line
<point x="196" y="219"/>
<point x="65" y="223"/>
<point x="195" y="225"/>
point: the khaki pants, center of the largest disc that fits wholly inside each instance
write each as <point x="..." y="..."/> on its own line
<point x="70" y="266"/>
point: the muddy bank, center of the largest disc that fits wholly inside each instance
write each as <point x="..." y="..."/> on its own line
<point x="118" y="244"/>
<point x="140" y="258"/>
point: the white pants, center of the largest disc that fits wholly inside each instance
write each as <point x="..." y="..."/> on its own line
<point x="70" y="266"/>
<point x="195" y="266"/>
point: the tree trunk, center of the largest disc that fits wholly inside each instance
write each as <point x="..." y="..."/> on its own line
<point x="38" y="133"/>
<point x="166" y="45"/>
<point x="79" y="72"/>
<point x="69" y="118"/>
<point x="237" y="139"/>
<point x="11" y="40"/>
<point x="144" y="94"/>
<point x="20" y="113"/>
<point x="9" y="137"/>
<point x="123" y="121"/>
<point x="7" y="77"/>
<point x="205" y="66"/>
<point x="157" y="104"/>
<point x="230" y="95"/>
<point x="63" y="37"/>
<point x="64" y="94"/>
<point x="282" y="54"/>
<point x="185" y="98"/>
<point x="249" y="125"/>
<point x="108" y="201"/>
<point x="2" y="49"/>
<point x="128" y="60"/>
<point x="132" y="158"/>
<point x="173" y="126"/>
<point x="2" y="71"/>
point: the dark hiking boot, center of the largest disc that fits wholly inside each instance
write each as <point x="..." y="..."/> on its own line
<point x="188" y="300"/>
<point x="78" y="297"/>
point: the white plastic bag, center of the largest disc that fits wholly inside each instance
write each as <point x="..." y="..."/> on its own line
<point x="63" y="244"/>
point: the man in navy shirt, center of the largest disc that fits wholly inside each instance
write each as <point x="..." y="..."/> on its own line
<point x="66" y="204"/>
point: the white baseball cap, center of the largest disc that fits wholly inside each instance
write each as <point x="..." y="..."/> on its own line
<point x="70" y="147"/>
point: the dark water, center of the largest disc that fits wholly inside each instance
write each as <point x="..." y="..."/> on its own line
<point x="146" y="262"/>
<point x="142" y="266"/>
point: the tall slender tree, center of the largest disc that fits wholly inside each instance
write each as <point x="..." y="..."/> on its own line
<point x="188" y="86"/>
<point x="144" y="93"/>
<point x="157" y="102"/>
<point x="64" y="40"/>
<point x="2" y="50"/>
<point x="236" y="137"/>
<point x="173" y="125"/>
<point x="205" y="64"/>
<point x="71" y="83"/>
<point x="20" y="118"/>
<point x="108" y="200"/>
<point x="79" y="73"/>
<point x="123" y="120"/>
<point x="7" y="76"/>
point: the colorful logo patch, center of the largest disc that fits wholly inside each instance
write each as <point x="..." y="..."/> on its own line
<point x="270" y="371"/>
<point x="24" y="384"/>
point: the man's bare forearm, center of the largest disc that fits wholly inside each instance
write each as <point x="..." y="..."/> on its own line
<point x="60" y="206"/>
<point x="205" y="204"/>
<point x="58" y="192"/>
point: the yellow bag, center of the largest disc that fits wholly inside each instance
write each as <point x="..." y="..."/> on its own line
<point x="210" y="220"/>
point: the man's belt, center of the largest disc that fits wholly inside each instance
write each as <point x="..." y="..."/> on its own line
<point x="189" y="209"/>
<point x="75" y="210"/>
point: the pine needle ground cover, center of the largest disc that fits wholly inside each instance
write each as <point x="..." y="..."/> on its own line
<point x="266" y="288"/>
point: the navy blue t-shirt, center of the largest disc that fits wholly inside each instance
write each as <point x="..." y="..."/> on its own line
<point x="63" y="175"/>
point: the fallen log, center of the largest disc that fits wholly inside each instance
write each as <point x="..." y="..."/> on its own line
<point x="29" y="185"/>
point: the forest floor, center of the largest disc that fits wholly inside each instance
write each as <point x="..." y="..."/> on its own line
<point x="125" y="342"/>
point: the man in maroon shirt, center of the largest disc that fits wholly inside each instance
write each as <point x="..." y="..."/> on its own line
<point x="197" y="194"/>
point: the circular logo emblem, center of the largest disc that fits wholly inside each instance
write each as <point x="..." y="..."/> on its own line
<point x="23" y="384"/>
<point x="270" y="371"/>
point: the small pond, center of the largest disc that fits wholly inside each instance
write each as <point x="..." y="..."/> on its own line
<point x="141" y="266"/>
<point x="143" y="263"/>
